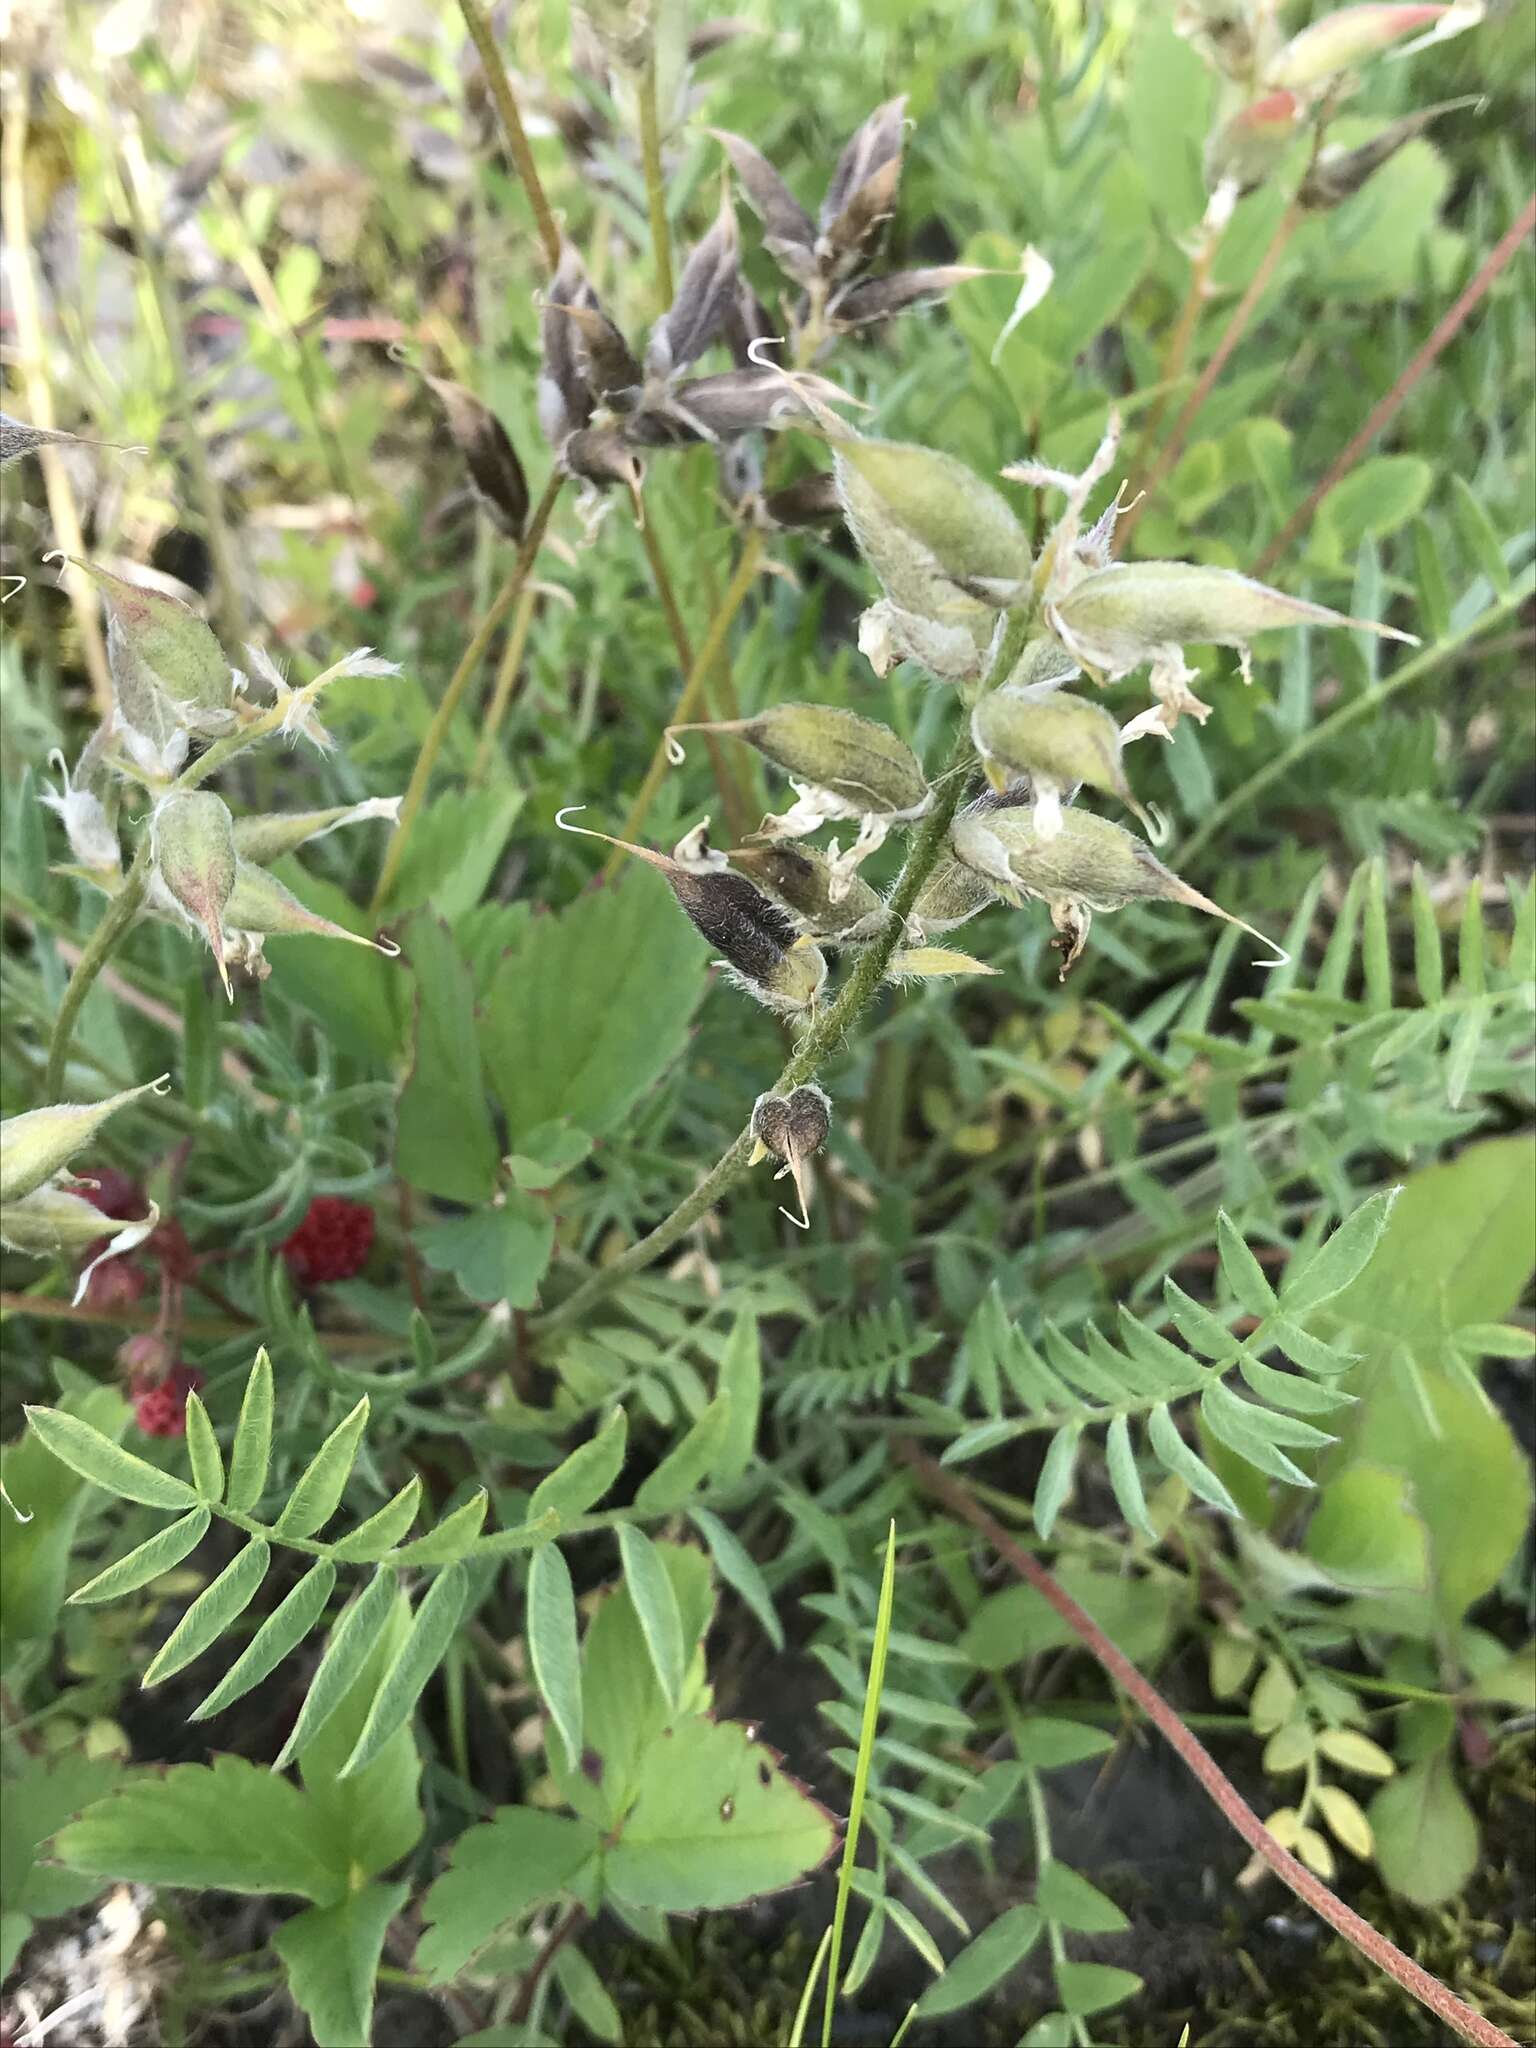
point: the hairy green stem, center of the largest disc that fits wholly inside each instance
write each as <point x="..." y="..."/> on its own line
<point x="655" y="187"/>
<point x="501" y="694"/>
<point x="119" y="914"/>
<point x="500" y="85"/>
<point x="458" y="683"/>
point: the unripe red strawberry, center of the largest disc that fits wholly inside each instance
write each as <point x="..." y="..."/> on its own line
<point x="160" y="1407"/>
<point x="332" y="1242"/>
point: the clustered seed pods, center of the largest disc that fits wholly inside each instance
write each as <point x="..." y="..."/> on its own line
<point x="42" y="1208"/>
<point x="792" y="1128"/>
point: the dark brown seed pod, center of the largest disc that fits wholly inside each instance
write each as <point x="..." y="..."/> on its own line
<point x="17" y="438"/>
<point x="789" y="235"/>
<point x="792" y="1128"/>
<point x="494" y="470"/>
<point x="811" y="500"/>
<point x="862" y="193"/>
<point x="565" y="397"/>
<point x="703" y="298"/>
<point x="804" y="882"/>
<point x="758" y="945"/>
<point x="878" y="298"/>
<point x="604" y="357"/>
<point x="1337" y="174"/>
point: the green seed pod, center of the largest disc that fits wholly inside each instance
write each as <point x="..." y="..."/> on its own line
<point x="803" y="881"/>
<point x="759" y="947"/>
<point x="194" y="865"/>
<point x="37" y="1144"/>
<point x="268" y="835"/>
<point x="260" y="903"/>
<point x="1089" y="864"/>
<point x="952" y="894"/>
<point x="1056" y="739"/>
<point x="1338" y="174"/>
<point x="1043" y="660"/>
<point x="897" y="494"/>
<point x="51" y="1223"/>
<point x="855" y="759"/>
<point x="178" y="649"/>
<point x="792" y="1128"/>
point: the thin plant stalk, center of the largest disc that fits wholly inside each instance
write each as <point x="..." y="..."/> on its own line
<point x="501" y="694"/>
<point x="229" y="604"/>
<point x="458" y="683"/>
<point x="861" y="1770"/>
<point x="1387" y="409"/>
<point x="1428" y="1990"/>
<point x="32" y="352"/>
<point x="655" y="187"/>
<point x="481" y="36"/>
<point x="803" y="2009"/>
<point x="119" y="914"/>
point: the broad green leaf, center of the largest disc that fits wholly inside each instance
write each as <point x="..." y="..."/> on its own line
<point x="282" y="1631"/>
<point x="203" y="1451"/>
<point x="444" y="1142"/>
<point x="1170" y="1447"/>
<point x="1364" y="1531"/>
<point x="332" y="1953"/>
<point x="373" y="1817"/>
<point x="1378" y="496"/>
<point x="359" y="997"/>
<point x="85" y="1450"/>
<point x="1019" y="1621"/>
<point x="1056" y="1476"/>
<point x="689" y="1463"/>
<point x="231" y="1827"/>
<point x="736" y="1566"/>
<point x="552" y="1645"/>
<point x="1340" y="1259"/>
<point x="1064" y="1896"/>
<point x="454" y="848"/>
<point x="405" y="1678"/>
<point x="252" y="1448"/>
<point x="376" y="1537"/>
<point x="1425" y="1833"/>
<point x="35" y="1554"/>
<point x="741" y="1382"/>
<point x="212" y="1612"/>
<point x="313" y="1500"/>
<point x="147" y="1562"/>
<point x="499" y="1871"/>
<point x="453" y="1537"/>
<point x="655" y="1603"/>
<point x="352" y="1640"/>
<point x="714" y="1823"/>
<point x="983" y="1962"/>
<point x="499" y="1254"/>
<point x="592" y="1007"/>
<point x="581" y="1480"/>
<point x="1094" y="1987"/>
<point x="1046" y="1744"/>
<point x="37" y="1796"/>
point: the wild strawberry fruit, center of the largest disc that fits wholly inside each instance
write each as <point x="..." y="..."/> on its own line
<point x="160" y="1406"/>
<point x="332" y="1242"/>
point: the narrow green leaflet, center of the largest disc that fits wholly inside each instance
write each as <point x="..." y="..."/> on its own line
<point x="376" y="1537"/>
<point x="345" y="1655"/>
<point x="371" y="1819"/>
<point x="313" y="1500"/>
<point x="685" y="1468"/>
<point x="588" y="1997"/>
<point x="656" y="1606"/>
<point x="1239" y="1425"/>
<point x="499" y="1871"/>
<point x="212" y="1612"/>
<point x="252" y="1448"/>
<point x="740" y="1573"/>
<point x="1124" y="1479"/>
<point x="106" y="1464"/>
<point x="1046" y="1744"/>
<point x="1056" y="1476"/>
<point x="714" y="1823"/>
<point x="229" y="1826"/>
<point x="983" y="1962"/>
<point x="1170" y="1447"/>
<point x="282" y="1631"/>
<point x="1065" y="1897"/>
<point x="552" y="1645"/>
<point x="1340" y="1260"/>
<point x="453" y="1537"/>
<point x="418" y="1657"/>
<point x="581" y="1480"/>
<point x="1241" y="1270"/>
<point x="332" y="1953"/>
<point x="203" y="1450"/>
<point x="1094" y="1987"/>
<point x="741" y="1381"/>
<point x="147" y="1562"/>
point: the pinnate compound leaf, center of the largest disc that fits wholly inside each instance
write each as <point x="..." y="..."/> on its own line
<point x="500" y="1870"/>
<point x="212" y="1612"/>
<point x="332" y="1953"/>
<point x="313" y="1500"/>
<point x="352" y="1641"/>
<point x="106" y="1464"/>
<point x="581" y="1480"/>
<point x="282" y="1631"/>
<point x="655" y="1604"/>
<point x="147" y="1562"/>
<point x="229" y="1826"/>
<point x="714" y="1823"/>
<point x="983" y="1962"/>
<point x="252" y="1448"/>
<point x="552" y="1645"/>
<point x="1175" y="1454"/>
<point x="404" y="1679"/>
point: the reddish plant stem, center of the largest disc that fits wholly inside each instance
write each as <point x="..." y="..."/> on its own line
<point x="1236" y="328"/>
<point x="1388" y="408"/>
<point x="1428" y="1990"/>
<point x="575" y="1919"/>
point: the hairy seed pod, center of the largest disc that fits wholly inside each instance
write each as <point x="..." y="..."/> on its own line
<point x="1056" y="739"/>
<point x="194" y="864"/>
<point x="855" y="758"/>
<point x="564" y="395"/>
<point x="1043" y="660"/>
<point x="1090" y="864"/>
<point x="704" y="297"/>
<point x="788" y="234"/>
<point x="898" y="496"/>
<point x="265" y="836"/>
<point x="862" y="193"/>
<point x="51" y="1222"/>
<point x="40" y="1142"/>
<point x="758" y="945"/>
<point x="178" y="649"/>
<point x="792" y="1128"/>
<point x="952" y="894"/>
<point x="18" y="438"/>
<point x="260" y="903"/>
<point x="804" y="881"/>
<point x="498" y="477"/>
<point x="604" y="356"/>
<point x="811" y="500"/>
<point x="879" y="298"/>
